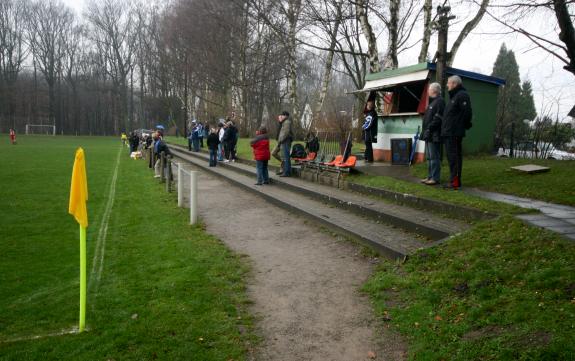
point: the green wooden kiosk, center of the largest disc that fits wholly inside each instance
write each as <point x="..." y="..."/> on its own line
<point x="404" y="91"/>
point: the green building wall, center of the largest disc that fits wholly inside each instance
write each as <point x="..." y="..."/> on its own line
<point x="479" y="139"/>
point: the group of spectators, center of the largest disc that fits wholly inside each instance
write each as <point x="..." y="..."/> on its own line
<point x="223" y="144"/>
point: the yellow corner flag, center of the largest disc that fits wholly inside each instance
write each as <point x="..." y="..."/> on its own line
<point x="77" y="208"/>
<point x="79" y="190"/>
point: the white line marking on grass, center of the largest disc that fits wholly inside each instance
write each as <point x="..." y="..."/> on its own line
<point x="98" y="261"/>
<point x="71" y="331"/>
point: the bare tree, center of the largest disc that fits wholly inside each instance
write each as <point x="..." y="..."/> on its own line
<point x="361" y="9"/>
<point x="559" y="14"/>
<point x="12" y="52"/>
<point x="427" y="28"/>
<point x="49" y="23"/>
<point x="469" y="26"/>
<point x="113" y="32"/>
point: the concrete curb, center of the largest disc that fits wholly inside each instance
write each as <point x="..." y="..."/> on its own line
<point x="454" y="210"/>
<point x="378" y="215"/>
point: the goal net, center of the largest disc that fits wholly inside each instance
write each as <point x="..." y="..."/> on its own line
<point x="40" y="129"/>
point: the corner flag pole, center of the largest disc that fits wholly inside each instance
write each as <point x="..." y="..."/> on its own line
<point x="82" y="324"/>
<point x="77" y="208"/>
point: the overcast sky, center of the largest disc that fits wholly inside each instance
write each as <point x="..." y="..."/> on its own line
<point x="554" y="88"/>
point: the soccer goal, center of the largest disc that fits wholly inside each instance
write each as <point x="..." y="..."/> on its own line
<point x="40" y="129"/>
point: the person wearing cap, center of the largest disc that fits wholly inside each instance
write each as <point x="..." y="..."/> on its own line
<point x="195" y="137"/>
<point x="285" y="139"/>
<point x="159" y="147"/>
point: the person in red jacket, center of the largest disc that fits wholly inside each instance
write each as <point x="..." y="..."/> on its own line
<point x="12" y="136"/>
<point x="261" y="147"/>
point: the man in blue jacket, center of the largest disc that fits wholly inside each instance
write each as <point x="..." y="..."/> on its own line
<point x="456" y="120"/>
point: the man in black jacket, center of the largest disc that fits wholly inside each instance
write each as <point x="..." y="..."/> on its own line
<point x="456" y="120"/>
<point x="369" y="128"/>
<point x="431" y="134"/>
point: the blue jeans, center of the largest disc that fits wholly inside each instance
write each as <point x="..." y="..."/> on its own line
<point x="196" y="143"/>
<point x="213" y="157"/>
<point x="433" y="155"/>
<point x="262" y="171"/>
<point x="286" y="149"/>
<point x="220" y="152"/>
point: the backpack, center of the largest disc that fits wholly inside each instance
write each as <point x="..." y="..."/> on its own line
<point x="313" y="145"/>
<point x="298" y="151"/>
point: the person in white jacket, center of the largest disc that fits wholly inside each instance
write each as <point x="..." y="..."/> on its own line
<point x="221" y="132"/>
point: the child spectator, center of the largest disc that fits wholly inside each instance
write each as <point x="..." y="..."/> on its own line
<point x="261" y="149"/>
<point x="213" y="143"/>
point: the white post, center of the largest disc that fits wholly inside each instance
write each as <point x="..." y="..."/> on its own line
<point x="193" y="197"/>
<point x="180" y="185"/>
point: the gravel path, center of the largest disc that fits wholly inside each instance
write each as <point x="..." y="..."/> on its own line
<point x="305" y="284"/>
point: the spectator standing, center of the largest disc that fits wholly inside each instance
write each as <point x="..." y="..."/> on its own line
<point x="200" y="134"/>
<point x="221" y="131"/>
<point x="276" y="151"/>
<point x="285" y="139"/>
<point x="159" y="147"/>
<point x="213" y="143"/>
<point x="134" y="142"/>
<point x="230" y="141"/>
<point x="261" y="149"/>
<point x="431" y="134"/>
<point x="195" y="137"/>
<point x="456" y="120"/>
<point x="369" y="129"/>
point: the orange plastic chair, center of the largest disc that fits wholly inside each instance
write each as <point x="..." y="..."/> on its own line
<point x="337" y="159"/>
<point x="349" y="163"/>
<point x="311" y="156"/>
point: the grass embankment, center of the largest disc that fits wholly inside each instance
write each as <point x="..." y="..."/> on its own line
<point x="502" y="291"/>
<point x="495" y="174"/>
<point x="167" y="290"/>
<point x="423" y="191"/>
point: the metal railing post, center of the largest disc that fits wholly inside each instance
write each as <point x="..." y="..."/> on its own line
<point x="180" y="185"/>
<point x="162" y="166"/>
<point x="168" y="175"/>
<point x="193" y="197"/>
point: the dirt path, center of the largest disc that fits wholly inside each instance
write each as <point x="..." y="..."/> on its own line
<point x="306" y="282"/>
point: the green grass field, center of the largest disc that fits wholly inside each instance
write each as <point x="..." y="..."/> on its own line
<point x="502" y="291"/>
<point x="167" y="290"/>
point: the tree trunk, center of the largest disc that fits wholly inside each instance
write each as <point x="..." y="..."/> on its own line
<point x="361" y="15"/>
<point x="293" y="17"/>
<point x="567" y="33"/>
<point x="328" y="65"/>
<point x="427" y="9"/>
<point x="392" y="29"/>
